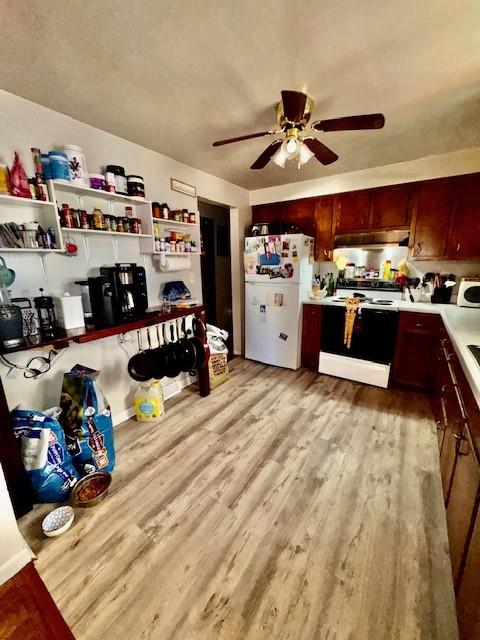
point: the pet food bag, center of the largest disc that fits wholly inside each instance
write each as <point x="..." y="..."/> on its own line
<point x="218" y="369"/>
<point x="87" y="422"/>
<point x="44" y="454"/>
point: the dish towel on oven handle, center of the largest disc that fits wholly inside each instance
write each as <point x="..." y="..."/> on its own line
<point x="350" y="315"/>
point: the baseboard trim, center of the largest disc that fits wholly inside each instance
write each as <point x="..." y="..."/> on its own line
<point x="14" y="565"/>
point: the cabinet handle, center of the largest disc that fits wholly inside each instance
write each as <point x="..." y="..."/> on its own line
<point x="418" y="250"/>
<point x="458" y="445"/>
<point x="444" y="388"/>
<point x="458" y="247"/>
<point x="419" y="324"/>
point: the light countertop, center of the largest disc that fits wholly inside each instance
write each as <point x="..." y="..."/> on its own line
<point x="463" y="327"/>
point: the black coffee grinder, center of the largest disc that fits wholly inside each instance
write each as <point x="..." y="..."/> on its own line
<point x="11" y="322"/>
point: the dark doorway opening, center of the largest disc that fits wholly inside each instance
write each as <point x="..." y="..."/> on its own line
<point x="216" y="267"/>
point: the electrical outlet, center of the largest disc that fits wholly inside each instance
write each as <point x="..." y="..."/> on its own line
<point x="191" y="277"/>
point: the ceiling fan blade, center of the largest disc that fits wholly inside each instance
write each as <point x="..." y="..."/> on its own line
<point x="294" y="103"/>
<point x="218" y="143"/>
<point x="351" y="123"/>
<point x="265" y="156"/>
<point x="321" y="152"/>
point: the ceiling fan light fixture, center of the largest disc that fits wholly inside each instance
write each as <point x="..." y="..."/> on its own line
<point x="280" y="157"/>
<point x="304" y="155"/>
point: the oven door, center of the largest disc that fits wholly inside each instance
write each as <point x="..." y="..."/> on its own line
<point x="373" y="337"/>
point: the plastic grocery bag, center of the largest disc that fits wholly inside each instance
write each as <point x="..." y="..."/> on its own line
<point x="87" y="422"/>
<point x="44" y="454"/>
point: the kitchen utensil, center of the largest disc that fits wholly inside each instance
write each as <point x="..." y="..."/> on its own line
<point x="172" y="363"/>
<point x="410" y="296"/>
<point x="7" y="276"/>
<point x="188" y="353"/>
<point x="158" y="370"/>
<point x="136" y="365"/>
<point x="58" y="521"/>
<point x="197" y="344"/>
<point x="91" y="489"/>
<point x="46" y="315"/>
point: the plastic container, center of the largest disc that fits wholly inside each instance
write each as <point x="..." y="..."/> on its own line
<point x="77" y="164"/>
<point x="120" y="178"/>
<point x="69" y="311"/>
<point x="136" y="186"/>
<point x="59" y="167"/>
<point x="149" y="404"/>
<point x="98" y="219"/>
<point x="97" y="181"/>
<point x="45" y="159"/>
<point x="4" y="181"/>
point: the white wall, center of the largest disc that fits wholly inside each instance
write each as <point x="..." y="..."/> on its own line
<point x="448" y="164"/>
<point x="14" y="553"/>
<point x="24" y="124"/>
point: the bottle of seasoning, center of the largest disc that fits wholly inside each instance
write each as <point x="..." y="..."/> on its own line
<point x="191" y="216"/>
<point x="156" y="210"/>
<point x="386" y="270"/>
<point x="83" y="219"/>
<point x="173" y="243"/>
<point x="129" y="212"/>
<point x="66" y="217"/>
<point x="134" y="225"/>
<point x="139" y="223"/>
<point x="119" y="224"/>
<point x="162" y="246"/>
<point x="185" y="215"/>
<point x="110" y="184"/>
<point x="107" y="219"/>
<point x="113" y="223"/>
<point x="98" y="219"/>
<point x="126" y="225"/>
<point x="330" y="285"/>
<point x="165" y="211"/>
<point x="350" y="270"/>
<point x="75" y="218"/>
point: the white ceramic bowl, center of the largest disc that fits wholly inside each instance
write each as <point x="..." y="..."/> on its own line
<point x="318" y="295"/>
<point x="57" y="521"/>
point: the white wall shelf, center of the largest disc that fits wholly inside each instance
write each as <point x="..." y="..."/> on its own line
<point x="174" y="223"/>
<point x="28" y="250"/>
<point x="106" y="196"/>
<point x="121" y="234"/>
<point x="23" y="202"/>
<point x="186" y="254"/>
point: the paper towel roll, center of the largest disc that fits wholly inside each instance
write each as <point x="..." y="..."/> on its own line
<point x="174" y="263"/>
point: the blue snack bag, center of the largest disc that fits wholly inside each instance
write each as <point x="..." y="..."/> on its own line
<point x="44" y="454"/>
<point x="87" y="422"/>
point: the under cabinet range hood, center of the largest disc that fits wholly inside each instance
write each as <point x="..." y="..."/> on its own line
<point x="396" y="238"/>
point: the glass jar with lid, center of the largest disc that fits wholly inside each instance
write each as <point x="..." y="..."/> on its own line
<point x="98" y="219"/>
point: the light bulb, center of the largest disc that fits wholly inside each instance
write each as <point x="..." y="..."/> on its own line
<point x="291" y="146"/>
<point x="304" y="154"/>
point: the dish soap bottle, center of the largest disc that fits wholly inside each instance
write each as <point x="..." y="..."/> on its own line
<point x="149" y="401"/>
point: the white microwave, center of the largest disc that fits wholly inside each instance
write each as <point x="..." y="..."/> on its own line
<point x="469" y="292"/>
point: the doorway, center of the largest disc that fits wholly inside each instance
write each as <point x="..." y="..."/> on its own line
<point x="216" y="266"/>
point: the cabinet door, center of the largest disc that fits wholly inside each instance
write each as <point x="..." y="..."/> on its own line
<point x="434" y="207"/>
<point x="461" y="503"/>
<point x="390" y="208"/>
<point x="352" y="211"/>
<point x="465" y="237"/>
<point x="440" y="382"/>
<point x="268" y="212"/>
<point x="468" y="610"/>
<point x="301" y="214"/>
<point x="415" y="350"/>
<point x="311" y="335"/>
<point x="324" y="236"/>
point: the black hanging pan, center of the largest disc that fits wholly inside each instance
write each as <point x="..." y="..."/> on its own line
<point x="189" y="355"/>
<point x="138" y="365"/>
<point x="196" y="344"/>
<point x="159" y="370"/>
<point x="172" y="362"/>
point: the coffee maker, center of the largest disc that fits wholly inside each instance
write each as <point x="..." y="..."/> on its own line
<point x="118" y="294"/>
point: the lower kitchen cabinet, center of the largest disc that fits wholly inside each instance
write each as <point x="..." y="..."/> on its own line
<point x="417" y="336"/>
<point x="468" y="591"/>
<point x="311" y="335"/>
<point x="462" y="502"/>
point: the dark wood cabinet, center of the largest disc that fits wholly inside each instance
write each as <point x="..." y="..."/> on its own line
<point x="301" y="214"/>
<point x="415" y="350"/>
<point x="324" y="236"/>
<point x="462" y="501"/>
<point x="464" y="241"/>
<point x="311" y="335"/>
<point x="390" y="208"/>
<point x="433" y="205"/>
<point x="268" y="212"/>
<point x="352" y="212"/>
<point x="468" y="590"/>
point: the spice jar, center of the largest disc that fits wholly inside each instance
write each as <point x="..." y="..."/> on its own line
<point x="156" y="210"/>
<point x="98" y="219"/>
<point x="173" y="243"/>
<point x="120" y="178"/>
<point x="119" y="224"/>
<point x="162" y="246"/>
<point x="75" y="218"/>
<point x="66" y="217"/>
<point x="134" y="225"/>
<point x="165" y="211"/>
<point x="110" y="184"/>
<point x="129" y="212"/>
<point x="83" y="219"/>
<point x="113" y="223"/>
<point x="185" y="215"/>
<point x="126" y="225"/>
<point x="192" y="217"/>
<point x="107" y="218"/>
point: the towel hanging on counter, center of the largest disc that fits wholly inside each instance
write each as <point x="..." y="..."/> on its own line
<point x="350" y="315"/>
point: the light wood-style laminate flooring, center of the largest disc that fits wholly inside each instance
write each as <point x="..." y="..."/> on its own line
<point x="287" y="505"/>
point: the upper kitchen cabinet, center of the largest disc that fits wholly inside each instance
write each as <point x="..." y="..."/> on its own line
<point x="268" y="212"/>
<point x="301" y="214"/>
<point x="433" y="206"/>
<point x="390" y="208"/>
<point x="464" y="242"/>
<point x="323" y="219"/>
<point x="352" y="212"/>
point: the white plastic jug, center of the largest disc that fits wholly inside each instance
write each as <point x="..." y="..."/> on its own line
<point x="149" y="401"/>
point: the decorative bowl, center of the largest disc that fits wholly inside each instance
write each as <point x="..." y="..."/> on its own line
<point x="91" y="489"/>
<point x="58" y="521"/>
<point x="318" y="295"/>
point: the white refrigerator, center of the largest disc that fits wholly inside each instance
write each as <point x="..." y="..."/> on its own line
<point x="278" y="278"/>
